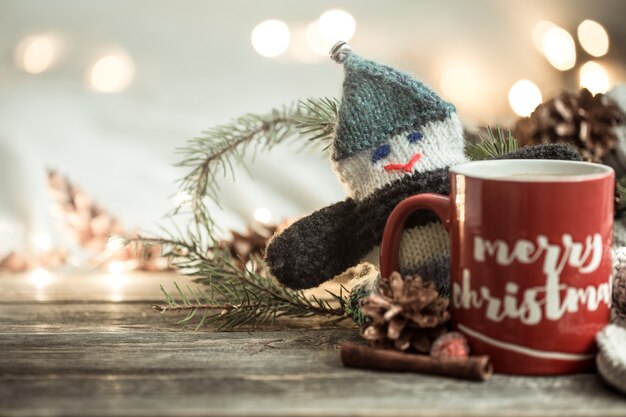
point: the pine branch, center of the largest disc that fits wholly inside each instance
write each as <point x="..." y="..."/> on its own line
<point x="234" y="298"/>
<point x="216" y="153"/>
<point x="165" y="308"/>
<point x="237" y="293"/>
<point x="497" y="144"/>
<point x="318" y="119"/>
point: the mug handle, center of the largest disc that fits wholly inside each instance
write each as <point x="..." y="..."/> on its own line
<point x="390" y="245"/>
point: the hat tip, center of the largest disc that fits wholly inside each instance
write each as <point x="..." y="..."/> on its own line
<point x="340" y="52"/>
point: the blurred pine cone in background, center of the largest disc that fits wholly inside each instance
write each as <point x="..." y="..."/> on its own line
<point x="581" y="119"/>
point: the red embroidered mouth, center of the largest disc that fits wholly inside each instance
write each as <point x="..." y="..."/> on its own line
<point x="404" y="167"/>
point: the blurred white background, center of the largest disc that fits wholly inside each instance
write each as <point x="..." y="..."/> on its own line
<point x="104" y="91"/>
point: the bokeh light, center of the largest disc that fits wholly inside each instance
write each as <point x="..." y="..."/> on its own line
<point x="262" y="215"/>
<point x="270" y="38"/>
<point x="314" y="40"/>
<point x="112" y="73"/>
<point x="40" y="278"/>
<point x="539" y="31"/>
<point x="524" y="97"/>
<point x="116" y="243"/>
<point x="181" y="198"/>
<point x="36" y="54"/>
<point x="42" y="241"/>
<point x="459" y="82"/>
<point x="116" y="267"/>
<point x="559" y="48"/>
<point x="594" y="77"/>
<point x="593" y="38"/>
<point x="299" y="48"/>
<point x="336" y="25"/>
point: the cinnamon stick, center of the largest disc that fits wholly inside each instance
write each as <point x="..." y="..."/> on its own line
<point x="477" y="368"/>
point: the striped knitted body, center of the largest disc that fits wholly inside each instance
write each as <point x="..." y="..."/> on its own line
<point x="424" y="250"/>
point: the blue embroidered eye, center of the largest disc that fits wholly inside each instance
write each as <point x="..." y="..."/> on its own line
<point x="380" y="153"/>
<point x="415" y="137"/>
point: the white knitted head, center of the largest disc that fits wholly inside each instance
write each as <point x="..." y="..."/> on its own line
<point x="390" y="125"/>
<point x="437" y="144"/>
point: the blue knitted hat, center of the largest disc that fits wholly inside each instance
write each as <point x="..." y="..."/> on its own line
<point x="380" y="101"/>
<point x="389" y="124"/>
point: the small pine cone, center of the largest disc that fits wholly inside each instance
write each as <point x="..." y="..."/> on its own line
<point x="14" y="262"/>
<point x="244" y="246"/>
<point x="404" y="314"/>
<point x="581" y="119"/>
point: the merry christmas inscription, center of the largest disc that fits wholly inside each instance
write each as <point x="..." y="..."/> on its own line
<point x="551" y="300"/>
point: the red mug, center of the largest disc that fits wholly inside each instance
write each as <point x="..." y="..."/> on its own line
<point x="530" y="259"/>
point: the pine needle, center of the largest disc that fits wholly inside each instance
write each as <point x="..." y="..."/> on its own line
<point x="318" y="119"/>
<point x="236" y="298"/>
<point x="498" y="143"/>
<point x="215" y="153"/>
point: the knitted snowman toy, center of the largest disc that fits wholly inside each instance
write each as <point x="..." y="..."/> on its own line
<point x="394" y="138"/>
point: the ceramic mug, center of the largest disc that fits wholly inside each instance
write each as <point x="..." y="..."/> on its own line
<point x="530" y="259"/>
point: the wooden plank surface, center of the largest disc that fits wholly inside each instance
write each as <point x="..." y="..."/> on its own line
<point x="81" y="353"/>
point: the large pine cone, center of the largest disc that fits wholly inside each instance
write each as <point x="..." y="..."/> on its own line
<point x="581" y="119"/>
<point x="405" y="314"/>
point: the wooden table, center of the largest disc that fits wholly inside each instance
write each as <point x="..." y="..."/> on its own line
<point x="89" y="344"/>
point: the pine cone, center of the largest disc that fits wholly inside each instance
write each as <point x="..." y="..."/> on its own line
<point x="14" y="262"/>
<point x="89" y="223"/>
<point x="581" y="119"/>
<point x="405" y="314"/>
<point x="244" y="246"/>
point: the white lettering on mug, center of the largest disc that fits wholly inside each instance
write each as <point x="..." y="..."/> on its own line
<point x="551" y="300"/>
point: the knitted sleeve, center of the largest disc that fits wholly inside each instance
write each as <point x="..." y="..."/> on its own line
<point x="315" y="248"/>
<point x="548" y="151"/>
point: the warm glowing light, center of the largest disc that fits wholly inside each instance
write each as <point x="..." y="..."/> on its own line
<point x="299" y="48"/>
<point x="539" y="32"/>
<point x="116" y="267"/>
<point x="593" y="38"/>
<point x="115" y="243"/>
<point x="314" y="40"/>
<point x="559" y="48"/>
<point x="40" y="278"/>
<point x="36" y="54"/>
<point x="182" y="198"/>
<point x="42" y="241"/>
<point x="116" y="281"/>
<point x="594" y="78"/>
<point x="112" y="73"/>
<point x="271" y="38"/>
<point x="263" y="215"/>
<point x="459" y="83"/>
<point x="336" y="25"/>
<point x="524" y="97"/>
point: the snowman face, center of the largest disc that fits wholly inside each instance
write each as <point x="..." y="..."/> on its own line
<point x="410" y="153"/>
<point x="434" y="145"/>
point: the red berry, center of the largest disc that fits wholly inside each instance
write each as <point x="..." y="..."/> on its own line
<point x="450" y="345"/>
